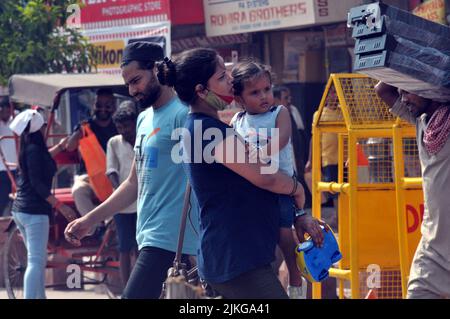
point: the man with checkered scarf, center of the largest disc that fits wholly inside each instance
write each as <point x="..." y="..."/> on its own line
<point x="430" y="269"/>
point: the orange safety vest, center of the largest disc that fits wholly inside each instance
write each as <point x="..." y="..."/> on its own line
<point x="95" y="160"/>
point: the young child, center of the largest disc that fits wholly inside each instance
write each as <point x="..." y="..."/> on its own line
<point x="252" y="85"/>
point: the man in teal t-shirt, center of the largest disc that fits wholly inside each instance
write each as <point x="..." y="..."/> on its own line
<point x="155" y="178"/>
<point x="161" y="183"/>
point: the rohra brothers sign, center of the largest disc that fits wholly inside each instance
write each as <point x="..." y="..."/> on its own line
<point x="228" y="17"/>
<point x="237" y="16"/>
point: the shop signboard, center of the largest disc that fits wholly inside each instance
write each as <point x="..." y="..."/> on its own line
<point x="97" y="14"/>
<point x="236" y="16"/>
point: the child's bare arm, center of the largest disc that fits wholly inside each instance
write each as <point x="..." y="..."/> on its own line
<point x="283" y="124"/>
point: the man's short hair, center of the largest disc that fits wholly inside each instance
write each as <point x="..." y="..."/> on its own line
<point x="124" y="114"/>
<point x="278" y="89"/>
<point x="104" y="91"/>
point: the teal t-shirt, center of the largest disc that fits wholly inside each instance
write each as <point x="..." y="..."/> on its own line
<point x="162" y="182"/>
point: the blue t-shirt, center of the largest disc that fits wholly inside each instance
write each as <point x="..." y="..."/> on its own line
<point x="238" y="221"/>
<point x="162" y="182"/>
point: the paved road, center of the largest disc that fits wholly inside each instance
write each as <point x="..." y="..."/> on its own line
<point x="88" y="293"/>
<point x="92" y="292"/>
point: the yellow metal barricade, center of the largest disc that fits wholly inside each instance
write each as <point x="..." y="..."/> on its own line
<point x="380" y="201"/>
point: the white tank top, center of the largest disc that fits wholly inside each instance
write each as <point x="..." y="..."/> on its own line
<point x="256" y="130"/>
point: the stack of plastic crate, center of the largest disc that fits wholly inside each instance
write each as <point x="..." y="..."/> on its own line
<point x="402" y="49"/>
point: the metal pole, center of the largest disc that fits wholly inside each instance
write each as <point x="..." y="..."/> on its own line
<point x="401" y="210"/>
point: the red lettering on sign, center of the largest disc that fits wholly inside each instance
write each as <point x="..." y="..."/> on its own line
<point x="275" y="13"/>
<point x="323" y="8"/>
<point x="230" y="18"/>
<point x="417" y="217"/>
<point x="410" y="210"/>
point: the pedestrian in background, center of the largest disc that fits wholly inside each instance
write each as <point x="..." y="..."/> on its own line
<point x="32" y="207"/>
<point x="119" y="159"/>
<point x="8" y="148"/>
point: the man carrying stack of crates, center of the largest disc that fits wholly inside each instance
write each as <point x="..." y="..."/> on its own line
<point x="410" y="56"/>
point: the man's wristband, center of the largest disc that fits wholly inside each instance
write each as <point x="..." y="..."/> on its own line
<point x="299" y="212"/>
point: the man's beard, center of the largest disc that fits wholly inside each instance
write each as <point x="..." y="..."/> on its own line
<point x="418" y="111"/>
<point x="151" y="96"/>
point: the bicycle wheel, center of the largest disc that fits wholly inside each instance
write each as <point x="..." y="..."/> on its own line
<point x="14" y="264"/>
<point x="98" y="261"/>
<point x="112" y="282"/>
<point x="113" y="286"/>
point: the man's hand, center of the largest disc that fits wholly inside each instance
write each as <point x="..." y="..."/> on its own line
<point x="77" y="230"/>
<point x="388" y="93"/>
<point x="63" y="143"/>
<point x="73" y="141"/>
<point x="307" y="224"/>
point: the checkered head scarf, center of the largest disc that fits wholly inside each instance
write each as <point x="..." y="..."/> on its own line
<point x="438" y="130"/>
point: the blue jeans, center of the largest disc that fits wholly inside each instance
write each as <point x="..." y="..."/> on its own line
<point x="34" y="229"/>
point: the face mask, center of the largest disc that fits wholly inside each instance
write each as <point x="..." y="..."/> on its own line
<point x="227" y="99"/>
<point x="215" y="101"/>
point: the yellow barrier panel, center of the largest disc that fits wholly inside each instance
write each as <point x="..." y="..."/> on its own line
<point x="380" y="201"/>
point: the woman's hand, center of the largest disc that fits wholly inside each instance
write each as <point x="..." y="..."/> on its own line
<point x="299" y="196"/>
<point x="312" y="226"/>
<point x="67" y="212"/>
<point x="77" y="230"/>
<point x="63" y="143"/>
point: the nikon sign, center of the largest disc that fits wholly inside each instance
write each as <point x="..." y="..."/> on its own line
<point x="108" y="54"/>
<point x="109" y="43"/>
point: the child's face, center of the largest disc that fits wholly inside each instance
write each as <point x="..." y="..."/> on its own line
<point x="220" y="82"/>
<point x="257" y="96"/>
<point x="127" y="129"/>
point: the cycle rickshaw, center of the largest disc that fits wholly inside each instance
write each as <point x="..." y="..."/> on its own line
<point x="65" y="99"/>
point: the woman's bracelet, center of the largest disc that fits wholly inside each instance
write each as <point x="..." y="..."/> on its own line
<point x="294" y="188"/>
